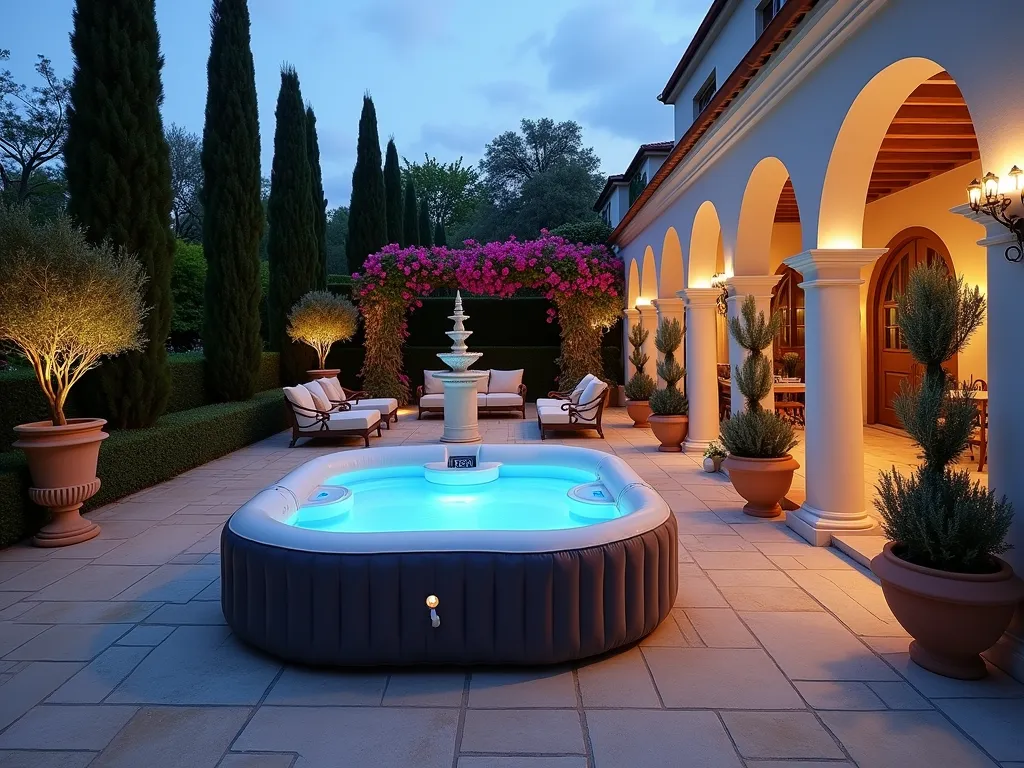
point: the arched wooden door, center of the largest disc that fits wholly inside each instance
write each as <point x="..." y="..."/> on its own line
<point x="893" y="362"/>
<point x="788" y="301"/>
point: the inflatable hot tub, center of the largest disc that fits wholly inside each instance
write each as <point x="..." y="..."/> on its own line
<point x="496" y="554"/>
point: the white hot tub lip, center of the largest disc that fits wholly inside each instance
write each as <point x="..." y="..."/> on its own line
<point x="263" y="518"/>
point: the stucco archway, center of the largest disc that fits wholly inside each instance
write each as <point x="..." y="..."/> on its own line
<point x="632" y="284"/>
<point x="705" y="238"/>
<point x="670" y="272"/>
<point x="757" y="217"/>
<point x="648" y="277"/>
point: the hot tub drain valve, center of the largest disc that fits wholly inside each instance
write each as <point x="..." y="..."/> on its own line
<point x="432" y="603"/>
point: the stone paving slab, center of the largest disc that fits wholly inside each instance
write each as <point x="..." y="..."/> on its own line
<point x="776" y="654"/>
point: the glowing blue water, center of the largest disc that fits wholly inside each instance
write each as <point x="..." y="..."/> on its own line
<point x="399" y="499"/>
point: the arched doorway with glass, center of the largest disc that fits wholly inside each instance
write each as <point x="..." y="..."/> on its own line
<point x="889" y="360"/>
<point x="788" y="301"/>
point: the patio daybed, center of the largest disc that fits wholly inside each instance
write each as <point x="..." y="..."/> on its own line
<point x="501" y="391"/>
<point x="335" y="394"/>
<point x="578" y="410"/>
<point x="309" y="420"/>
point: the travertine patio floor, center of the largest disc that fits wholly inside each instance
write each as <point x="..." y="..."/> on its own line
<point x="114" y="653"/>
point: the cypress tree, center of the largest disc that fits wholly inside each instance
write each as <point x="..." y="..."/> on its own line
<point x="367" y="219"/>
<point x="425" y="234"/>
<point x="292" y="245"/>
<point x="319" y="201"/>
<point x="393" y="193"/>
<point x="233" y="210"/>
<point x="118" y="171"/>
<point x="440" y="238"/>
<point x="410" y="225"/>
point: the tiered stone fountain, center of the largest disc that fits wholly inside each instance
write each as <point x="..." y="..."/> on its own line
<point x="460" y="415"/>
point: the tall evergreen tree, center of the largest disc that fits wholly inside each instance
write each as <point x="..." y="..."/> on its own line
<point x="367" y="218"/>
<point x="319" y="201"/>
<point x="118" y="171"/>
<point x="440" y="238"/>
<point x="410" y="222"/>
<point x="426" y="237"/>
<point x="292" y="246"/>
<point x="393" y="193"/>
<point x="231" y="200"/>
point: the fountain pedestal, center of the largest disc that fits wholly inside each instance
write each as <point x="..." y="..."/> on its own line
<point x="460" y="424"/>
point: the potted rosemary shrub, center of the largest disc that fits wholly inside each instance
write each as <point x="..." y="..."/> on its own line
<point x="640" y="385"/>
<point x="668" y="406"/>
<point x="789" y="363"/>
<point x="758" y="441"/>
<point x="64" y="304"/>
<point x="940" y="572"/>
<point x="318" y="320"/>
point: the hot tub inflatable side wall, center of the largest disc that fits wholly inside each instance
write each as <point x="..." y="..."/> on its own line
<point x="496" y="608"/>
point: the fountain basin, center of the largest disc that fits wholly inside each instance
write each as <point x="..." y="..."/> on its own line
<point x="522" y="570"/>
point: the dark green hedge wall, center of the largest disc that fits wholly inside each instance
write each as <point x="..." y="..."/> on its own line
<point x="133" y="459"/>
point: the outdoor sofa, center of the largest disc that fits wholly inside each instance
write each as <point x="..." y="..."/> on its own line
<point x="501" y="391"/>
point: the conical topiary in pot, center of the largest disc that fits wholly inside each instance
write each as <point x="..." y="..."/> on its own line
<point x="669" y="408"/>
<point x="64" y="304"/>
<point x="940" y="573"/>
<point x="641" y="385"/>
<point x="758" y="441"/>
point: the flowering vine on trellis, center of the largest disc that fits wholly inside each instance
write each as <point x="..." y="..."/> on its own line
<point x="584" y="282"/>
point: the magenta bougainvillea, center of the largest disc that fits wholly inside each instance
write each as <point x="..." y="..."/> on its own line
<point x="583" y="282"/>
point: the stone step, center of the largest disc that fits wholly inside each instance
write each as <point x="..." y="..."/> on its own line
<point x="859" y="547"/>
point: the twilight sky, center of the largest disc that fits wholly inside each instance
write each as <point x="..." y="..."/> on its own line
<point x="446" y="75"/>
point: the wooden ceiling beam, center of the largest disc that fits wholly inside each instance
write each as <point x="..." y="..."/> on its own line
<point x="930" y="131"/>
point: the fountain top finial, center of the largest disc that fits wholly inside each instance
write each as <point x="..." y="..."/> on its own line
<point x="460" y="358"/>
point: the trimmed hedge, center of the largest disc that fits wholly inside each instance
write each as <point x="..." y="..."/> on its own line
<point x="21" y="400"/>
<point x="134" y="459"/>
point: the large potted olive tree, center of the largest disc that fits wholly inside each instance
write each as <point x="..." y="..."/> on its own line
<point x="64" y="304"/>
<point x="940" y="572"/>
<point x="318" y="320"/>
<point x="640" y="385"/>
<point x="669" y="408"/>
<point x="758" y="441"/>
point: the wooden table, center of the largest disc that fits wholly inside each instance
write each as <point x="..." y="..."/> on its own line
<point x="789" y="387"/>
<point x="980" y="398"/>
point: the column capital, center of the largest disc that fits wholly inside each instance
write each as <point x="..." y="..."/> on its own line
<point x="751" y="285"/>
<point x="833" y="266"/>
<point x="700" y="297"/>
<point x="631" y="313"/>
<point x="670" y="304"/>
<point x="648" y="311"/>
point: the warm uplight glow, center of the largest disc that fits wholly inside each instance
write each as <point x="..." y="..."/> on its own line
<point x="1016" y="175"/>
<point x="990" y="185"/>
<point x="643" y="302"/>
<point x="319" y="319"/>
<point x="432" y="601"/>
<point x="974" y="193"/>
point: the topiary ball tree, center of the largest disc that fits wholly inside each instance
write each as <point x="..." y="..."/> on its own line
<point x="755" y="433"/>
<point x="319" y="319"/>
<point x="640" y="385"/>
<point x="937" y="515"/>
<point x="669" y="401"/>
<point x="65" y="303"/>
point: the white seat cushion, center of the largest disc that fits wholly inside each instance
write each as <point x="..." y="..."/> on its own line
<point x="386" y="405"/>
<point x="558" y="416"/>
<point x="594" y="390"/>
<point x="321" y="398"/>
<point x="549" y="402"/>
<point x="353" y="419"/>
<point x="333" y="388"/>
<point x="483" y="383"/>
<point x="505" y="381"/>
<point x="301" y="397"/>
<point x="577" y="392"/>
<point x="503" y="399"/>
<point x="432" y="386"/>
<point x="432" y="401"/>
<point x="481" y="399"/>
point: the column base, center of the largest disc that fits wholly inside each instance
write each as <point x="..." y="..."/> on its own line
<point x="816" y="526"/>
<point x="1008" y="652"/>
<point x="456" y="439"/>
<point x="696" y="446"/>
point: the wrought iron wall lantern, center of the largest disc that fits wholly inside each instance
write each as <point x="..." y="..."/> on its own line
<point x="722" y="302"/>
<point x="985" y="197"/>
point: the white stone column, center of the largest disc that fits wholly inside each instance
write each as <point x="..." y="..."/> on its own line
<point x="649" y="319"/>
<point x="760" y="287"/>
<point x="834" y="432"/>
<point x="1004" y="291"/>
<point x="667" y="310"/>
<point x="701" y="366"/>
<point x="630" y="318"/>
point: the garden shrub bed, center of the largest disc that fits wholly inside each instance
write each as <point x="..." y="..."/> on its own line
<point x="131" y="460"/>
<point x="22" y="401"/>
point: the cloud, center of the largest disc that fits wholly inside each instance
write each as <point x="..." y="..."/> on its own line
<point x="406" y="23"/>
<point x="510" y="93"/>
<point x="448" y="141"/>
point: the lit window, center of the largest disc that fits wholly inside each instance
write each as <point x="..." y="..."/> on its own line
<point x="704" y="95"/>
<point x="767" y="11"/>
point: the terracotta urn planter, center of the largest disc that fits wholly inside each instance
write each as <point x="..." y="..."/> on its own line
<point x="670" y="431"/>
<point x="952" y="617"/>
<point x="762" y="482"/>
<point x="323" y="373"/>
<point x="615" y="396"/>
<point x="62" y="462"/>
<point x="639" y="411"/>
